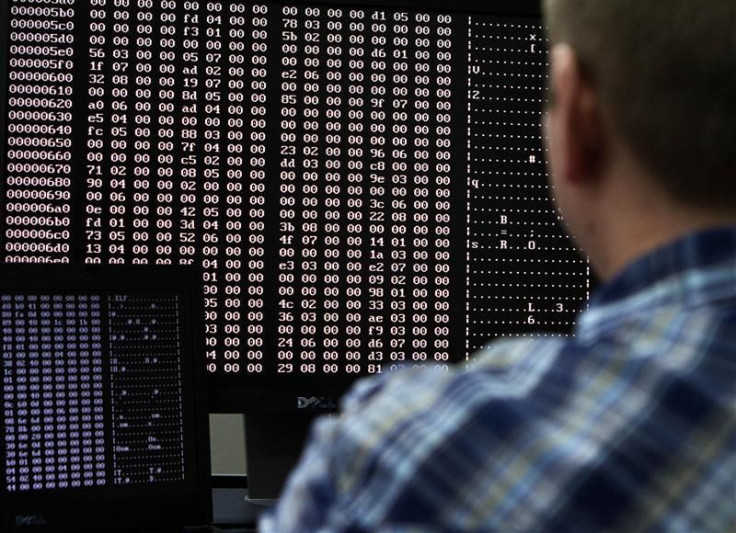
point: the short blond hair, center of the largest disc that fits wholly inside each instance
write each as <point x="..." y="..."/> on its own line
<point x="666" y="75"/>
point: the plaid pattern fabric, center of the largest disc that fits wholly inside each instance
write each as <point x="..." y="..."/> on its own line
<point x="629" y="426"/>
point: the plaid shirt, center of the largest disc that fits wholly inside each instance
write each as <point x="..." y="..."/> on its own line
<point x="629" y="426"/>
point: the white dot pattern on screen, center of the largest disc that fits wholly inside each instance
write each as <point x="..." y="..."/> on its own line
<point x="523" y="274"/>
<point x="146" y="389"/>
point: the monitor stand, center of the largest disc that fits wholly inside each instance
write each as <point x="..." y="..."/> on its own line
<point x="273" y="444"/>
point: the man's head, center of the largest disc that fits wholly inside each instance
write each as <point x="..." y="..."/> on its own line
<point x="648" y="87"/>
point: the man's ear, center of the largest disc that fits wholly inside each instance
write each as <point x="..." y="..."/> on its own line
<point x="575" y="125"/>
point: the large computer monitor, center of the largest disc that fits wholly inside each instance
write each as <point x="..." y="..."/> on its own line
<point x="104" y="413"/>
<point x="361" y="182"/>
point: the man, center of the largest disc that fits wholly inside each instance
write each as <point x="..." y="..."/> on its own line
<point x="630" y="425"/>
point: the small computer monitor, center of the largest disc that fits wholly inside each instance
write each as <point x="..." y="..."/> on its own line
<point x="104" y="418"/>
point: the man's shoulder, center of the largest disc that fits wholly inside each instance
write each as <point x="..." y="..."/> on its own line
<point x="409" y="412"/>
<point x="503" y="368"/>
<point x="532" y="431"/>
<point x="508" y="438"/>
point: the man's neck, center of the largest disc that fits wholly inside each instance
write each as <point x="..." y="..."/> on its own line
<point x="636" y="227"/>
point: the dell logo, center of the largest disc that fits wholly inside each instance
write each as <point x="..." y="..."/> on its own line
<point x="322" y="403"/>
<point x="27" y="520"/>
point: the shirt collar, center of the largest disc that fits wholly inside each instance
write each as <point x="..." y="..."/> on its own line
<point x="695" y="269"/>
